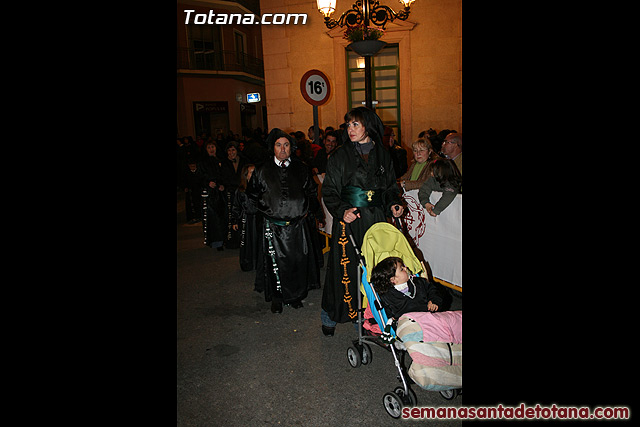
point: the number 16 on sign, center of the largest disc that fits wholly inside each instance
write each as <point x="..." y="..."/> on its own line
<point x="315" y="87"/>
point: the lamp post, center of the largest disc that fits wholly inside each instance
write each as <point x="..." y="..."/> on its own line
<point x="363" y="13"/>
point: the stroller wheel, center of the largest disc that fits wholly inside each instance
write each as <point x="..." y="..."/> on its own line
<point x="449" y="394"/>
<point x="353" y="356"/>
<point x="392" y="404"/>
<point x="410" y="400"/>
<point x="367" y="355"/>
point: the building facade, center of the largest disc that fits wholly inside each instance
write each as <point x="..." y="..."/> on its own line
<point x="218" y="65"/>
<point x="417" y="78"/>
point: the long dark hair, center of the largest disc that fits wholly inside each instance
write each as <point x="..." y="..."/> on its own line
<point x="446" y="173"/>
<point x="382" y="273"/>
<point x="372" y="124"/>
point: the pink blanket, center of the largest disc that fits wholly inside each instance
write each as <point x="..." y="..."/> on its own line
<point x="443" y="326"/>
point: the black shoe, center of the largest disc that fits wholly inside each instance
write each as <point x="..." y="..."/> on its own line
<point x="297" y="304"/>
<point x="220" y="248"/>
<point x="328" y="330"/>
<point x="276" y="307"/>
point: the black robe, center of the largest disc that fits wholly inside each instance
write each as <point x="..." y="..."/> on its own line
<point x="347" y="168"/>
<point x="214" y="202"/>
<point x="231" y="179"/>
<point x="285" y="197"/>
<point x="243" y="214"/>
<point x="193" y="197"/>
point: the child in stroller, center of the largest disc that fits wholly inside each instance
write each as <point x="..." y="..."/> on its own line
<point x="401" y="293"/>
<point x="432" y="339"/>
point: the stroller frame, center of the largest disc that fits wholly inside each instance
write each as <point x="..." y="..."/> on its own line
<point x="360" y="352"/>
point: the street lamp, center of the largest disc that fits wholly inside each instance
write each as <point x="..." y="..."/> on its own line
<point x="364" y="13"/>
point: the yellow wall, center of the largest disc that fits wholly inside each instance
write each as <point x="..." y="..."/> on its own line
<point x="430" y="65"/>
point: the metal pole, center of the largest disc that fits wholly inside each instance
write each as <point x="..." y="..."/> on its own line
<point x="367" y="82"/>
<point x="365" y="12"/>
<point x="315" y="125"/>
<point x="367" y="62"/>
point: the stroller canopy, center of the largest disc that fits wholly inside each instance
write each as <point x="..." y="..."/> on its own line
<point x="383" y="240"/>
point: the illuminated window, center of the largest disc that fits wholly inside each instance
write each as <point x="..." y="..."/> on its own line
<point x="385" y="84"/>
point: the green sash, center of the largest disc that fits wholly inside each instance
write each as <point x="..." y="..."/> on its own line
<point x="360" y="198"/>
<point x="279" y="222"/>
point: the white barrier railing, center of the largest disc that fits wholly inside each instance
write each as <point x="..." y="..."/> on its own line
<point x="439" y="238"/>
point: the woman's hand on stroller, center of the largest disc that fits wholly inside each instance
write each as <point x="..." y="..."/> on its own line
<point x="397" y="210"/>
<point x="351" y="215"/>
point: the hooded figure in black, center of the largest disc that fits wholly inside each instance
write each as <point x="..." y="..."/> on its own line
<point x="248" y="225"/>
<point x="230" y="171"/>
<point x="284" y="191"/>
<point x="359" y="190"/>
<point x="214" y="203"/>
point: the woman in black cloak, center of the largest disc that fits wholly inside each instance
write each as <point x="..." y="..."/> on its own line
<point x="231" y="170"/>
<point x="359" y="190"/>
<point x="214" y="203"/>
<point x="247" y="224"/>
<point x="284" y="191"/>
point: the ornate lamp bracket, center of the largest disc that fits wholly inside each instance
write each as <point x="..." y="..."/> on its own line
<point x="367" y="12"/>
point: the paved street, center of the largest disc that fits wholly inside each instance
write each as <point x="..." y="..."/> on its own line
<point x="238" y="364"/>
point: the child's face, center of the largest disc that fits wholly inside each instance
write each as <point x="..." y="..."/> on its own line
<point x="402" y="275"/>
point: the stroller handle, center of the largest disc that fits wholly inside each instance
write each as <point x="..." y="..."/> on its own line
<point x="355" y="245"/>
<point x="363" y="279"/>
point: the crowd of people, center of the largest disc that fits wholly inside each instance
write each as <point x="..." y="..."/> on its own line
<point x="264" y="193"/>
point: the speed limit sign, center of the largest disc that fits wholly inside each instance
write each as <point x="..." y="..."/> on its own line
<point x="315" y="87"/>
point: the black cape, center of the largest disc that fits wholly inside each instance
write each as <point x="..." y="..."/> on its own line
<point x="214" y="202"/>
<point x="231" y="179"/>
<point x="243" y="214"/>
<point x="286" y="195"/>
<point x="347" y="168"/>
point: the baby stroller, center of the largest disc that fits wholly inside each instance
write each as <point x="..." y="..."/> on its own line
<point x="439" y="366"/>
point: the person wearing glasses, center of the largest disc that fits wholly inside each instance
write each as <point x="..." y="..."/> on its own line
<point x="420" y="170"/>
<point x="452" y="149"/>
